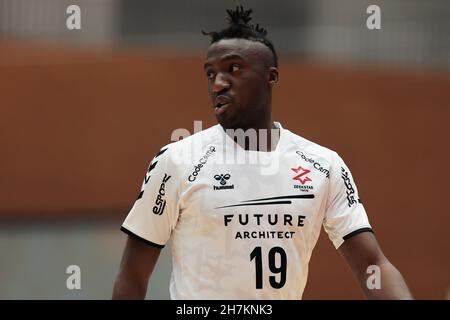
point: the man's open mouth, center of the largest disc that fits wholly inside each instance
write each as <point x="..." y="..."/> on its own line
<point x="220" y="108"/>
<point x="221" y="103"/>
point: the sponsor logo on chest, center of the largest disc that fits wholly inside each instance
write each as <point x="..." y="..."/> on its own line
<point x="316" y="165"/>
<point x="223" y="179"/>
<point x="302" y="178"/>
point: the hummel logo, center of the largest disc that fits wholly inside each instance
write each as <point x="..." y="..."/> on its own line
<point x="222" y="178"/>
<point x="223" y="181"/>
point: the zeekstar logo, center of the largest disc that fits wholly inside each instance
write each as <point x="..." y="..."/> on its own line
<point x="302" y="173"/>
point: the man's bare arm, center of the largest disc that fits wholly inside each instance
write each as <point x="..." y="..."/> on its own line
<point x="138" y="261"/>
<point x="362" y="251"/>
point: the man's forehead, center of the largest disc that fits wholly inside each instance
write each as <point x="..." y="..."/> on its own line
<point x="239" y="47"/>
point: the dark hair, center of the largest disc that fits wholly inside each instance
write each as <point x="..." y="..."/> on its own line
<point x="239" y="28"/>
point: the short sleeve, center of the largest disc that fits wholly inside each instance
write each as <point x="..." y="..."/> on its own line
<point x="345" y="215"/>
<point x="155" y="212"/>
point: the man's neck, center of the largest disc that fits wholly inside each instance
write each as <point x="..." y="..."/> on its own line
<point x="257" y="138"/>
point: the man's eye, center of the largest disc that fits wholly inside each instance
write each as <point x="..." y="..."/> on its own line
<point x="234" y="67"/>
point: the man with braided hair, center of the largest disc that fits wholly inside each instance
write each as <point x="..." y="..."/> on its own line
<point x="238" y="229"/>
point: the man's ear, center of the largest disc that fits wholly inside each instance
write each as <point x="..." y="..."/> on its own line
<point x="273" y="75"/>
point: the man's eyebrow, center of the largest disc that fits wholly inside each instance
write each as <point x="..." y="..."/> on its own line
<point x="226" y="57"/>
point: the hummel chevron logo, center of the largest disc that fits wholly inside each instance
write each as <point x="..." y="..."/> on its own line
<point x="147" y="175"/>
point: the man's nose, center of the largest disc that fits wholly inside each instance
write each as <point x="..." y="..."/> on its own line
<point x="220" y="83"/>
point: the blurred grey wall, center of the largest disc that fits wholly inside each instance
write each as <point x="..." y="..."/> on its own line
<point x="35" y="258"/>
<point x="413" y="32"/>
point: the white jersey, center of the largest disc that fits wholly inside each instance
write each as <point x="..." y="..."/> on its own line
<point x="244" y="226"/>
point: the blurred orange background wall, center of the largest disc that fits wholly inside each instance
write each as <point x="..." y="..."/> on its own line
<point x="79" y="127"/>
